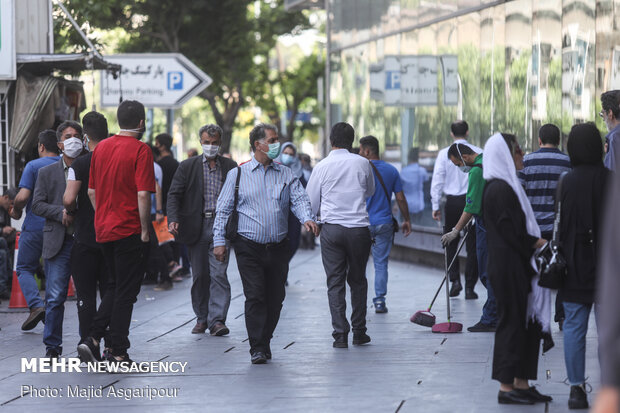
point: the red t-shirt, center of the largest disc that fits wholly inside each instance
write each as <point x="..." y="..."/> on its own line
<point x="121" y="166"/>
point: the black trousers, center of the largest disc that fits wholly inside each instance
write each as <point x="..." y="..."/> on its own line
<point x="263" y="269"/>
<point x="516" y="349"/>
<point x="126" y="260"/>
<point x="89" y="274"/>
<point x="452" y="212"/>
<point x="345" y="254"/>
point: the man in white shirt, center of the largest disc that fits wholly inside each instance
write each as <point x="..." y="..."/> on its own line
<point x="449" y="180"/>
<point x="338" y="189"/>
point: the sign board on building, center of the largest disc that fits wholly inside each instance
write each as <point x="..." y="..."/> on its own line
<point x="410" y="81"/>
<point x="7" y="40"/>
<point x="158" y="80"/>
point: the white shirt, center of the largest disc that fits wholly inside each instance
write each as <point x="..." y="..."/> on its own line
<point x="338" y="188"/>
<point x="447" y="177"/>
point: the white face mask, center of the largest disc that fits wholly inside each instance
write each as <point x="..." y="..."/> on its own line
<point x="210" y="151"/>
<point x="86" y="142"/>
<point x="139" y="131"/>
<point x="73" y="147"/>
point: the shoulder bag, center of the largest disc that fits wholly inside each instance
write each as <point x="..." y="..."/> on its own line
<point x="233" y="219"/>
<point x="551" y="261"/>
<point x="387" y="196"/>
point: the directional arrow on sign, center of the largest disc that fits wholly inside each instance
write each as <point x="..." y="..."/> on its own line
<point x="157" y="80"/>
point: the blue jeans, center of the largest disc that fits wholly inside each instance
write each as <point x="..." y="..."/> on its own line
<point x="575" y="329"/>
<point x="56" y="285"/>
<point x="382" y="235"/>
<point x="30" y="247"/>
<point x="489" y="311"/>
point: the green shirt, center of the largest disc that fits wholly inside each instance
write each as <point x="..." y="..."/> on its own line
<point x="475" y="187"/>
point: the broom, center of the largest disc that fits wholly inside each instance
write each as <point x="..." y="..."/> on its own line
<point x="424" y="317"/>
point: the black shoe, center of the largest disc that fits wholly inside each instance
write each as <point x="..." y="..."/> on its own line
<point x="36" y="314"/>
<point x="481" y="328"/>
<point x="258" y="357"/>
<point x="512" y="397"/>
<point x="380" y="307"/>
<point x="456" y="288"/>
<point x="470" y="294"/>
<point x="52" y="354"/>
<point x="88" y="351"/>
<point x="125" y="362"/>
<point x="578" y="398"/>
<point x="341" y="341"/>
<point x="534" y="395"/>
<point x="359" y="339"/>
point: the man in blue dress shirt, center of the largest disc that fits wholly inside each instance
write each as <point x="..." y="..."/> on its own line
<point x="268" y="191"/>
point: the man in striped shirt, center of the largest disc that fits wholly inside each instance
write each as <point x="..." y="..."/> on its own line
<point x="539" y="177"/>
<point x="268" y="193"/>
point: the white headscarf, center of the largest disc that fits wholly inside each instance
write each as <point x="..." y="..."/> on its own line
<point x="498" y="163"/>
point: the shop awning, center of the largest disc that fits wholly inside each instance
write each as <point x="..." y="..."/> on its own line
<point x="40" y="64"/>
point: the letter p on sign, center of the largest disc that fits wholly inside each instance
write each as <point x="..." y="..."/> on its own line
<point x="175" y="80"/>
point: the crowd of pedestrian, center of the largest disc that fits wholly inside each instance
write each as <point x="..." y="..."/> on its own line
<point x="116" y="214"/>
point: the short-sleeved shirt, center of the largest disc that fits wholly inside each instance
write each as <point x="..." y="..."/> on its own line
<point x="34" y="222"/>
<point x="84" y="224"/>
<point x="379" y="208"/>
<point x="475" y="187"/>
<point x="121" y="167"/>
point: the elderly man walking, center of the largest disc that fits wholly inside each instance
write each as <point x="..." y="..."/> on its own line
<point x="338" y="189"/>
<point x="192" y="201"/>
<point x="262" y="193"/>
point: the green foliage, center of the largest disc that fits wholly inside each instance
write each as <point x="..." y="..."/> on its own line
<point x="222" y="37"/>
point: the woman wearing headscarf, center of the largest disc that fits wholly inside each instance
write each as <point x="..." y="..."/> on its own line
<point x="582" y="196"/>
<point x="288" y="156"/>
<point x="523" y="308"/>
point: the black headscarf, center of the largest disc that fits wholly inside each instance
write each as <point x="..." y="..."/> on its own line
<point x="585" y="146"/>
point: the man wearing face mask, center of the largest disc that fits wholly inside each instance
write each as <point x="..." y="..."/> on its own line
<point x="57" y="232"/>
<point x="192" y="201"/>
<point x="471" y="162"/>
<point x="120" y="184"/>
<point x="267" y="194"/>
<point x="87" y="262"/>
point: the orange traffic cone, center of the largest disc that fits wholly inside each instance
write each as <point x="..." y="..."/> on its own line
<point x="71" y="291"/>
<point x="17" y="296"/>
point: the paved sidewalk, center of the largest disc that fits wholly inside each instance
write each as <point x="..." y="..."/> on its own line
<point x="405" y="368"/>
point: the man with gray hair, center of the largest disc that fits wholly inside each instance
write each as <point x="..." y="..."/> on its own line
<point x="192" y="200"/>
<point x="262" y="193"/>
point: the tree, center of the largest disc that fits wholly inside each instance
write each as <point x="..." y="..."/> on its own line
<point x="222" y="37"/>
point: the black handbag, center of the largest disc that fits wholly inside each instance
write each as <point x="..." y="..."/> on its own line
<point x="233" y="219"/>
<point x="551" y="262"/>
<point x="387" y="196"/>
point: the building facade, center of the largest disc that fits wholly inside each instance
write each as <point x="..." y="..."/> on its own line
<point x="403" y="70"/>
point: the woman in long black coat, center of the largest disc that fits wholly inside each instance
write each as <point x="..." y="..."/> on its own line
<point x="582" y="196"/>
<point x="512" y="235"/>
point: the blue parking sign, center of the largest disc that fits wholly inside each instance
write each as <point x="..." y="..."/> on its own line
<point x="175" y="80"/>
<point x="392" y="79"/>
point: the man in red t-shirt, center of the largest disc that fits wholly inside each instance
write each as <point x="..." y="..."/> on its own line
<point x="120" y="186"/>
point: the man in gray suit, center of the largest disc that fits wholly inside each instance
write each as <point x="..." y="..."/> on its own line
<point x="191" y="212"/>
<point x="57" y="233"/>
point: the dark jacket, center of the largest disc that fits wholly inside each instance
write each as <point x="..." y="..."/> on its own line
<point x="582" y="196"/>
<point x="47" y="203"/>
<point x="186" y="200"/>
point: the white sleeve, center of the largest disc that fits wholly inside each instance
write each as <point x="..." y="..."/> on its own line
<point x="370" y="181"/>
<point x="438" y="180"/>
<point x="71" y="175"/>
<point x="313" y="189"/>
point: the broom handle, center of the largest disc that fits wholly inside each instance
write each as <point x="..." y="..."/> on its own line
<point x="448" y="269"/>
<point x="450" y="266"/>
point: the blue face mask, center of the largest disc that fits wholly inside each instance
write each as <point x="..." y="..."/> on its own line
<point x="287" y="159"/>
<point x="274" y="150"/>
